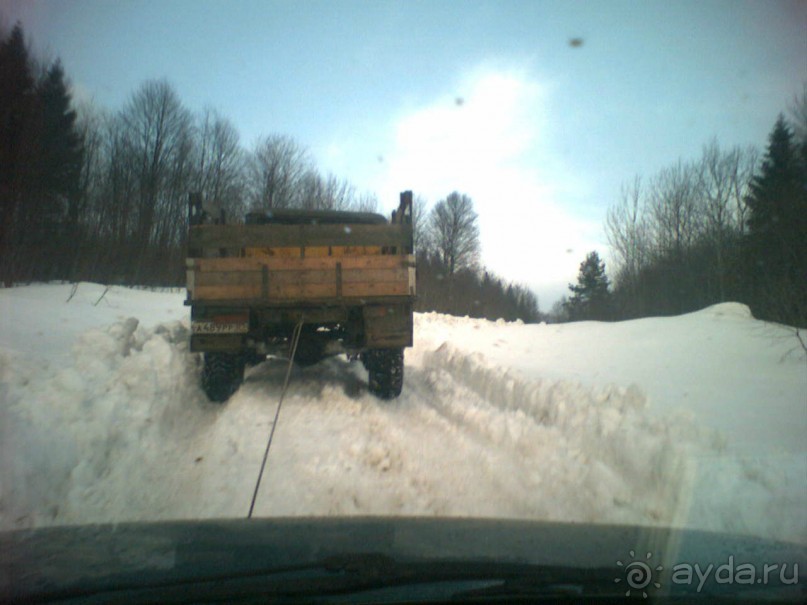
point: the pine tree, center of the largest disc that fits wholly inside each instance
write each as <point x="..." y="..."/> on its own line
<point x="17" y="102"/>
<point x="776" y="245"/>
<point x="59" y="169"/>
<point x="61" y="143"/>
<point x="41" y="158"/>
<point x="773" y="192"/>
<point x="591" y="298"/>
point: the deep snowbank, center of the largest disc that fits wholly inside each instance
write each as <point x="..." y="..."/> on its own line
<point x="92" y="436"/>
<point x="744" y="377"/>
<point x="119" y="430"/>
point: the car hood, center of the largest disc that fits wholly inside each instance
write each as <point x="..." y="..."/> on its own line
<point x="54" y="561"/>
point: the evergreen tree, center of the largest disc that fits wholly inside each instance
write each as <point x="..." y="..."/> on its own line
<point x="17" y="103"/>
<point x="40" y="166"/>
<point x="65" y="155"/>
<point x="58" y="172"/>
<point x="61" y="158"/>
<point x="590" y="298"/>
<point x="776" y="245"/>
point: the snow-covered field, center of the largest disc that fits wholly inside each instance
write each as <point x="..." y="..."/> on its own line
<point x="698" y="420"/>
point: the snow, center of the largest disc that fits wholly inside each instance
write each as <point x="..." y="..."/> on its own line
<point x="743" y="376"/>
<point x="697" y="420"/>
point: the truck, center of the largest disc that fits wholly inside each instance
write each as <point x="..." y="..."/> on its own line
<point x="303" y="285"/>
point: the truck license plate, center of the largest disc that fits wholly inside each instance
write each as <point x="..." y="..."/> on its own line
<point x="212" y="327"/>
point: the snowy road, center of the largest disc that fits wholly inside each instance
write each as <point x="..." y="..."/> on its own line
<point x="102" y="420"/>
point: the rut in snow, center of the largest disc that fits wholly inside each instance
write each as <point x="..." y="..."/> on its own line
<point x="125" y="433"/>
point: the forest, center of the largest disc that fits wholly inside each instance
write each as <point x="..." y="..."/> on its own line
<point x="88" y="194"/>
<point x="728" y="226"/>
<point x="93" y="194"/>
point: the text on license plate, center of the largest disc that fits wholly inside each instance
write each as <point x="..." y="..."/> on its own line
<point x="211" y="327"/>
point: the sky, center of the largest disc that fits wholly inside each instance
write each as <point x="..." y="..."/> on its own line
<point x="539" y="111"/>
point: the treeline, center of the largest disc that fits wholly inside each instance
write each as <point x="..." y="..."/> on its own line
<point x="726" y="227"/>
<point x="40" y="164"/>
<point x="102" y="196"/>
<point x="450" y="276"/>
<point x="89" y="194"/>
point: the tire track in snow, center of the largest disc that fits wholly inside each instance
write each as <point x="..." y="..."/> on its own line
<point x="127" y="435"/>
<point x="588" y="454"/>
<point x="511" y="450"/>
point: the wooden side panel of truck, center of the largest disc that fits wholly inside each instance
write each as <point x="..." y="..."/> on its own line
<point x="351" y="283"/>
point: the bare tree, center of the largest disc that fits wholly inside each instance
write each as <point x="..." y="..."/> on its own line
<point x="365" y="202"/>
<point x="676" y="243"/>
<point x="454" y="232"/>
<point x="723" y="187"/>
<point x="419" y="224"/>
<point x="91" y="122"/>
<point x="746" y="168"/>
<point x="798" y="113"/>
<point x="157" y="147"/>
<point x="627" y="233"/>
<point x="277" y="167"/>
<point x="560" y="311"/>
<point x="715" y="180"/>
<point x="84" y="215"/>
<point x="310" y="193"/>
<point x="121" y="180"/>
<point x="329" y="193"/>
<point x="674" y="209"/>
<point x="158" y="130"/>
<point x="219" y="163"/>
<point x="337" y="194"/>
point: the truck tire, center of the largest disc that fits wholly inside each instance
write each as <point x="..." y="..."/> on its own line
<point x="222" y="374"/>
<point x="386" y="370"/>
<point x="310" y="348"/>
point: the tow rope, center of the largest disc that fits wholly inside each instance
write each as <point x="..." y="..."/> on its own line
<point x="295" y="339"/>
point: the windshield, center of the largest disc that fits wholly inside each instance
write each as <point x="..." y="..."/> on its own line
<point x="556" y="270"/>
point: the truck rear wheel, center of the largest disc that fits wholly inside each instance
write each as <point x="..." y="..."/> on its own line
<point x="222" y="374"/>
<point x="386" y="369"/>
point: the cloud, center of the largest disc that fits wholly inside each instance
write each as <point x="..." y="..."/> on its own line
<point x="488" y="138"/>
<point x="81" y="94"/>
<point x="450" y="141"/>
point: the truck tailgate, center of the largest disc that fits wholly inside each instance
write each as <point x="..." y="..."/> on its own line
<point x="284" y="280"/>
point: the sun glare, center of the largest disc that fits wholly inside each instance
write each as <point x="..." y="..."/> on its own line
<point x="493" y="146"/>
